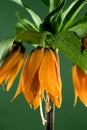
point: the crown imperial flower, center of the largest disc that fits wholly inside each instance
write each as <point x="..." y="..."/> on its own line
<point x="80" y="80"/>
<point x="12" y="65"/>
<point x="41" y="73"/>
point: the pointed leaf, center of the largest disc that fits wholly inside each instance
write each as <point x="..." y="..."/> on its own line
<point x="34" y="16"/>
<point x="80" y="20"/>
<point x="46" y="2"/>
<point x="73" y="13"/>
<point x="80" y="30"/>
<point x="63" y="15"/>
<point x="80" y="26"/>
<point x="31" y="37"/>
<point x="5" y="48"/>
<point x="68" y="9"/>
<point x="68" y="43"/>
<point x="23" y="25"/>
<point x="53" y="19"/>
<point x="56" y="18"/>
<point x="54" y="4"/>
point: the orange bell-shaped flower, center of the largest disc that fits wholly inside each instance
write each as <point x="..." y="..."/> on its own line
<point x="80" y="80"/>
<point x="12" y="65"/>
<point x="41" y="73"/>
<point x="80" y="84"/>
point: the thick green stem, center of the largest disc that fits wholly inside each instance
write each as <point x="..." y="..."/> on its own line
<point x="50" y="117"/>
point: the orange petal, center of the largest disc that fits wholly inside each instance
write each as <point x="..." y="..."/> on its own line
<point x="14" y="71"/>
<point x="84" y="42"/>
<point x="56" y="100"/>
<point x="57" y="64"/>
<point x="22" y="79"/>
<point x="48" y="75"/>
<point x="34" y="62"/>
<point x="36" y="102"/>
<point x="80" y="84"/>
<point x="31" y="92"/>
<point x="29" y="78"/>
<point x="10" y="63"/>
<point x="75" y="82"/>
<point x="19" y="90"/>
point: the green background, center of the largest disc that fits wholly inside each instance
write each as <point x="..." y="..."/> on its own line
<point x="18" y="115"/>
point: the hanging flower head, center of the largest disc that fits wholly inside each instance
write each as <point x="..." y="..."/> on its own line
<point x="12" y="65"/>
<point x="80" y="80"/>
<point x="41" y="73"/>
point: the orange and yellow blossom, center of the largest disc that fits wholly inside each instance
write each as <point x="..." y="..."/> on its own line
<point x="12" y="65"/>
<point x="80" y="84"/>
<point x="41" y="73"/>
<point x="80" y="80"/>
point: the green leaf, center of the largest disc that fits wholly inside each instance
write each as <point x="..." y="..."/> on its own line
<point x="68" y="43"/>
<point x="80" y="20"/>
<point x="34" y="16"/>
<point x="31" y="37"/>
<point x="54" y="4"/>
<point x="56" y="18"/>
<point x="52" y="21"/>
<point x="72" y="13"/>
<point x="68" y="9"/>
<point x="23" y="25"/>
<point x="79" y="26"/>
<point x="5" y="47"/>
<point x="46" y="2"/>
<point x="64" y="14"/>
<point x="80" y="30"/>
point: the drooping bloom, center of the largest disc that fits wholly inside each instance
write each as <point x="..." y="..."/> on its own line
<point x="80" y="84"/>
<point x="12" y="65"/>
<point x="80" y="80"/>
<point x="41" y="73"/>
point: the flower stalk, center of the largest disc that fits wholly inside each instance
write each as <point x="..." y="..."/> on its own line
<point x="50" y="115"/>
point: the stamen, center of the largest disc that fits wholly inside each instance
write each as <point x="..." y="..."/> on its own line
<point x="41" y="113"/>
<point x="75" y="100"/>
<point x="48" y="107"/>
<point x="30" y="106"/>
<point x="46" y="99"/>
<point x="85" y="105"/>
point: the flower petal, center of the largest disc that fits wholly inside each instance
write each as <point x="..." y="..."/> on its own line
<point x="31" y="85"/>
<point x="80" y="83"/>
<point x="57" y="66"/>
<point x="29" y="78"/>
<point x="12" y="63"/>
<point x="84" y="42"/>
<point x="39" y="97"/>
<point x="48" y="74"/>
<point x="8" y="65"/>
<point x="56" y="100"/>
<point x="36" y="102"/>
<point x="31" y="91"/>
<point x="18" y="91"/>
<point x="14" y="71"/>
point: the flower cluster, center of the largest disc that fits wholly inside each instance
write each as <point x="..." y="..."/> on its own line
<point x="40" y="76"/>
